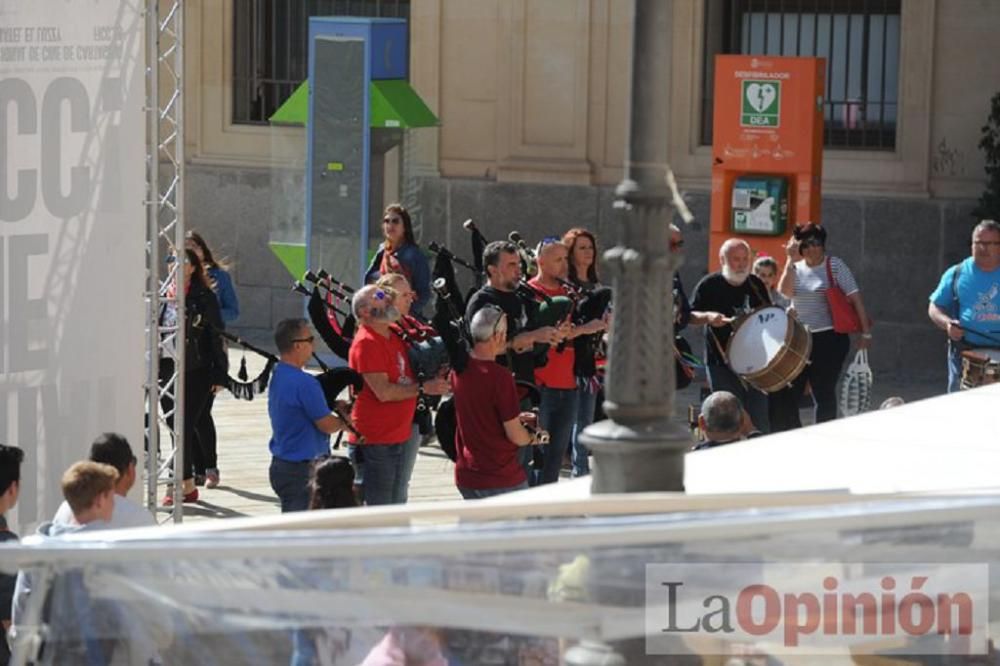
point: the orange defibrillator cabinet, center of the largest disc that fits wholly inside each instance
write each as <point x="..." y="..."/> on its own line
<point x="767" y="150"/>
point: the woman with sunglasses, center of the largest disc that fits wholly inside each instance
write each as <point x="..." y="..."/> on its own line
<point x="205" y="361"/>
<point x="399" y="253"/>
<point x="805" y="281"/>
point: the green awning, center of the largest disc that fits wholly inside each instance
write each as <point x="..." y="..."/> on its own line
<point x="393" y="103"/>
<point x="292" y="256"/>
<point x="295" y="109"/>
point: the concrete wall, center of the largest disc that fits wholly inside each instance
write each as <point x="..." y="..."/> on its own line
<point x="896" y="248"/>
<point x="236" y="211"/>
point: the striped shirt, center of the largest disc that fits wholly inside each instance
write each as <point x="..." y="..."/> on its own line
<point x="810" y="292"/>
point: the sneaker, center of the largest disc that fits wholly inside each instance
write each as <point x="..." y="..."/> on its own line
<point x="200" y="479"/>
<point x="211" y="478"/>
<point x="188" y="498"/>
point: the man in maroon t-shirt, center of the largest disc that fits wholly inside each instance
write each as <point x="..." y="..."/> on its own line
<point x="491" y="425"/>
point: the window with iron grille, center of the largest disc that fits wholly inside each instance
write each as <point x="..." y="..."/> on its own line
<point x="858" y="38"/>
<point x="270" y="47"/>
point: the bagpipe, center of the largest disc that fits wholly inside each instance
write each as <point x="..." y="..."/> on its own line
<point x="329" y="298"/>
<point x="426" y="351"/>
<point x="446" y="424"/>
<point x="333" y="381"/>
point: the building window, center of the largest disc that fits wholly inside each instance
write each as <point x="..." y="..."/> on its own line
<point x="858" y="38"/>
<point x="270" y="51"/>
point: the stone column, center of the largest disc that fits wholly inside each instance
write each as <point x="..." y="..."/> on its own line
<point x="639" y="449"/>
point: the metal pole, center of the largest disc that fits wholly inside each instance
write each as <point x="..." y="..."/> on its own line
<point x="639" y="449"/>
<point x="165" y="213"/>
<point x="152" y="252"/>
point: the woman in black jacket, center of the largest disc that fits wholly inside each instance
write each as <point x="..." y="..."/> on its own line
<point x="205" y="362"/>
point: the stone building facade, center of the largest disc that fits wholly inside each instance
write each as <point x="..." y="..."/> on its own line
<point x="532" y="96"/>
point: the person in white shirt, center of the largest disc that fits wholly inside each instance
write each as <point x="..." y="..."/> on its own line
<point x="113" y="449"/>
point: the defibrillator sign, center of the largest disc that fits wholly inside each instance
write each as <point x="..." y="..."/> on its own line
<point x="761" y="103"/>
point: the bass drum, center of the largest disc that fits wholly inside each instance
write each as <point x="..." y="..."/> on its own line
<point x="769" y="349"/>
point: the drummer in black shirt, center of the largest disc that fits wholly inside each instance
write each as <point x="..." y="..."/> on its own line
<point x="719" y="298"/>
<point x="503" y="273"/>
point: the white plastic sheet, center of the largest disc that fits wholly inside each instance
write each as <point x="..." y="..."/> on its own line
<point x="515" y="592"/>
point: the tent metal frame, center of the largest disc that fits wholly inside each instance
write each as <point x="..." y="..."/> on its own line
<point x="164" y="236"/>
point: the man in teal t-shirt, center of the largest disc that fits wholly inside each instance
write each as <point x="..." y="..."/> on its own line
<point x="966" y="303"/>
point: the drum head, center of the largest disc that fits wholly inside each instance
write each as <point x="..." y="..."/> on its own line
<point x="757" y="340"/>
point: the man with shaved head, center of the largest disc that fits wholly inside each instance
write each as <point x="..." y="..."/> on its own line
<point x="719" y="298"/>
<point x="556" y="379"/>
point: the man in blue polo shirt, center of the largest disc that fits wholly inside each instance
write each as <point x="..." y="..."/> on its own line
<point x="966" y="303"/>
<point x="301" y="422"/>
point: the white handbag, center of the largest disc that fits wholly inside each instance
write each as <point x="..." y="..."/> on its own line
<point x="856" y="389"/>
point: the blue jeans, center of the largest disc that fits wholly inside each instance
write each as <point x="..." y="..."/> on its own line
<point x="357" y="463"/>
<point x="722" y="378"/>
<point x="954" y="367"/>
<point x="384" y="481"/>
<point x="290" y="482"/>
<point x="557" y="414"/>
<point x="410" y="450"/>
<point x="585" y="404"/>
<point x="473" y="494"/>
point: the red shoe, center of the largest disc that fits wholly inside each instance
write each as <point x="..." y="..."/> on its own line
<point x="188" y="498"/>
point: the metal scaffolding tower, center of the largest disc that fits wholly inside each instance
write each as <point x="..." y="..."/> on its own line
<point x="165" y="340"/>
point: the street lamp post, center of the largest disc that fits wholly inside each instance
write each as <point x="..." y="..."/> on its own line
<point x="639" y="449"/>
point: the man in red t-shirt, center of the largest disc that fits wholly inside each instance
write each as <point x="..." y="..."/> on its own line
<point x="383" y="411"/>
<point x="556" y="379"/>
<point x="490" y="424"/>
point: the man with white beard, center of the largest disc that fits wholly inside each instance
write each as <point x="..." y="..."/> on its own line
<point x="718" y="299"/>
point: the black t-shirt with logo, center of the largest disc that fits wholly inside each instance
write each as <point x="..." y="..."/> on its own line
<point x="715" y="294"/>
<point x="522" y="365"/>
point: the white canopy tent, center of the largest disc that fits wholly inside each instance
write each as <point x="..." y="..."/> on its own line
<point x="535" y="571"/>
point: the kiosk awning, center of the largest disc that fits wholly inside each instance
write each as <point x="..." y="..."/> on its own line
<point x="393" y="103"/>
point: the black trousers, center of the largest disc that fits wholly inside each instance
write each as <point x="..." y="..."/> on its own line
<point x="197" y="391"/>
<point x="206" y="453"/>
<point x="829" y="351"/>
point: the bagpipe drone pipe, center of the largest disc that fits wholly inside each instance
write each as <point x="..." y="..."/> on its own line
<point x="328" y="299"/>
<point x="425" y="349"/>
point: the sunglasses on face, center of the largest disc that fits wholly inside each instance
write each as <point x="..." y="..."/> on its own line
<point x="810" y="242"/>
<point x="310" y="339"/>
